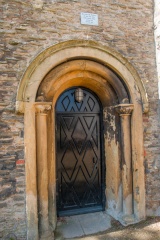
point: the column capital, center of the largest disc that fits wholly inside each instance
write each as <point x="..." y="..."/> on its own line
<point x="124" y="109"/>
<point x="42" y="108"/>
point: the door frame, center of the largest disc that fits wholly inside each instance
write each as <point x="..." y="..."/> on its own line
<point x="104" y="58"/>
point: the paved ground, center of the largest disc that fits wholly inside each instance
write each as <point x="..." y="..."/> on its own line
<point x="145" y="230"/>
<point x="82" y="225"/>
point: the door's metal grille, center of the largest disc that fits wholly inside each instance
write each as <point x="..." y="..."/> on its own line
<point x="79" y="186"/>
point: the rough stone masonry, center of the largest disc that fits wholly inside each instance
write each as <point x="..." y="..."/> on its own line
<point x="30" y="26"/>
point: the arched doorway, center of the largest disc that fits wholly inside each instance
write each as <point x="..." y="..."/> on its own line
<point x="123" y="97"/>
<point x="80" y="162"/>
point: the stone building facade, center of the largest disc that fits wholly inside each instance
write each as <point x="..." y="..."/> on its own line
<point x="45" y="50"/>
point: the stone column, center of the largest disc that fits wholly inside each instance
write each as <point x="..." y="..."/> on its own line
<point x="125" y="111"/>
<point x="42" y="168"/>
<point x="30" y="167"/>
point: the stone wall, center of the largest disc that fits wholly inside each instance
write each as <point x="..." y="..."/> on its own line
<point x="156" y="163"/>
<point x="27" y="28"/>
<point x="157" y="37"/>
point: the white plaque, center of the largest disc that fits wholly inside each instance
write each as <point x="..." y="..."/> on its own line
<point x="89" y="19"/>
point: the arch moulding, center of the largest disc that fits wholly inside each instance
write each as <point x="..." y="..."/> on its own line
<point x="66" y="51"/>
<point x="113" y="79"/>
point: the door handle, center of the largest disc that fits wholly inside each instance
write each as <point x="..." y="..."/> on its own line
<point x="94" y="163"/>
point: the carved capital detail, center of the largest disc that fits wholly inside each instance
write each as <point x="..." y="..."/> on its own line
<point x="42" y="108"/>
<point x="124" y="109"/>
<point x="20" y="106"/>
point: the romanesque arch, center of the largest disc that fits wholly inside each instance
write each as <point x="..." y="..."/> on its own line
<point x="122" y="94"/>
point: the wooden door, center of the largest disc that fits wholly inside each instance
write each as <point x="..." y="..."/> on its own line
<point x="79" y="154"/>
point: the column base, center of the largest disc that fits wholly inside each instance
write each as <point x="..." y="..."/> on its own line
<point x="47" y="236"/>
<point x="126" y="220"/>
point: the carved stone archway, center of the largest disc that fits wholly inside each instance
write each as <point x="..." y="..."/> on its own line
<point x="115" y="81"/>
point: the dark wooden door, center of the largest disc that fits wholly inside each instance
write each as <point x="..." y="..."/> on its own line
<point x="79" y="154"/>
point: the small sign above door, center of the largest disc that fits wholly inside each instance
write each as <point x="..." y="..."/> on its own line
<point x="89" y="19"/>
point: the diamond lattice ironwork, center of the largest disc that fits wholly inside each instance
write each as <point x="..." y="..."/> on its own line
<point x="79" y="135"/>
<point x="66" y="102"/>
<point x="91" y="103"/>
<point x="69" y="162"/>
<point x="90" y="159"/>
